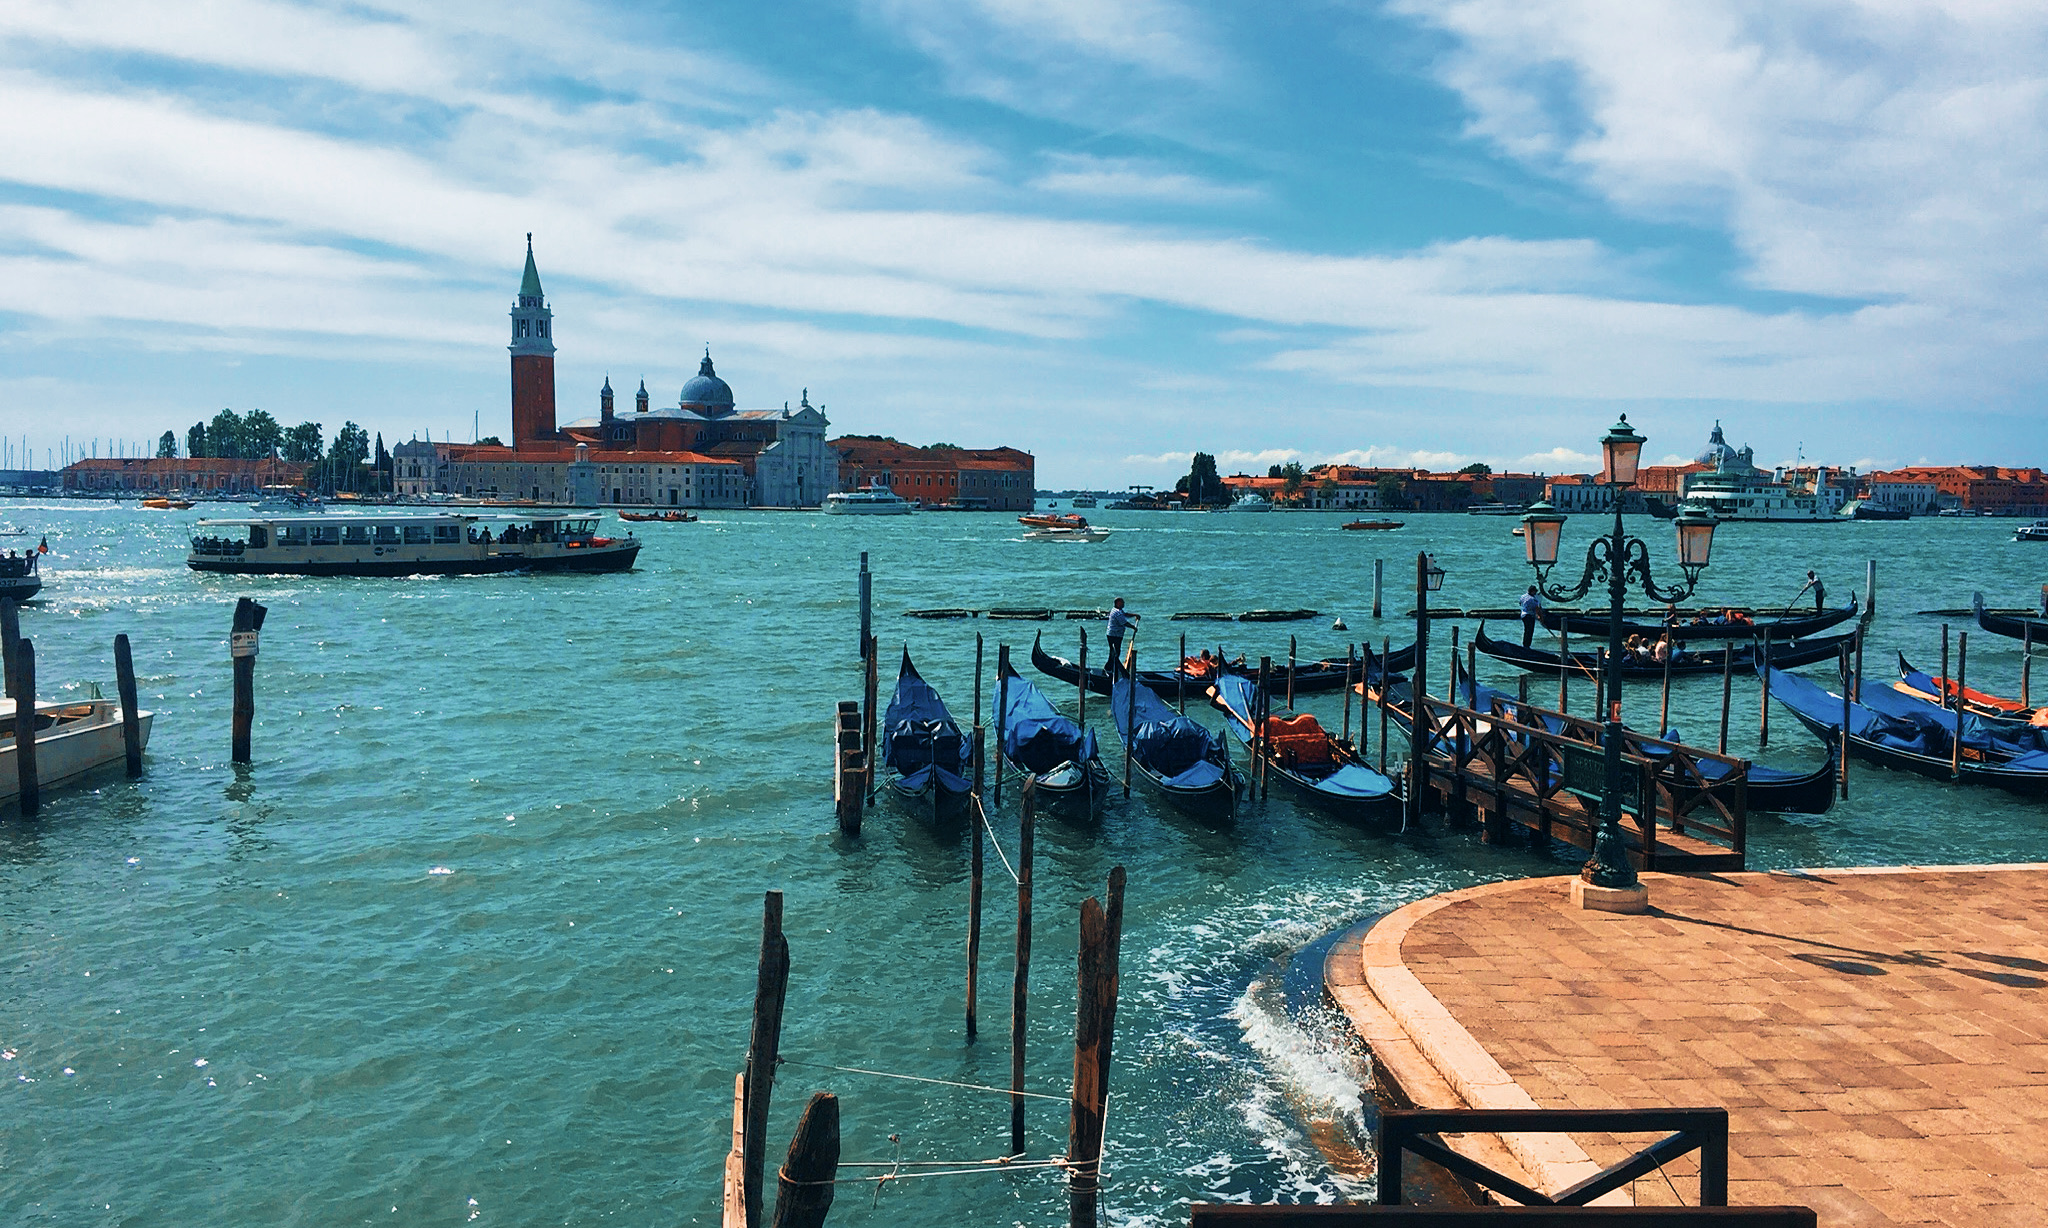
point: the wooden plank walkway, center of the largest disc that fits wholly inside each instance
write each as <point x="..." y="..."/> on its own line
<point x="1879" y="1036"/>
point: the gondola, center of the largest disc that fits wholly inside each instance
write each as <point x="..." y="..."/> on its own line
<point x="1056" y="753"/>
<point x="1181" y="758"/>
<point x="1693" y="661"/>
<point x="1310" y="677"/>
<point x="1895" y="730"/>
<point x="1782" y="628"/>
<point x="2018" y="627"/>
<point x="1993" y="708"/>
<point x="921" y="744"/>
<point x="1773" y="789"/>
<point x="1301" y="752"/>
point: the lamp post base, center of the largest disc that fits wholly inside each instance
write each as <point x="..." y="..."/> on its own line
<point x="1635" y="899"/>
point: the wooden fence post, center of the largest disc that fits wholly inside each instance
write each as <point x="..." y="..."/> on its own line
<point x="1021" y="978"/>
<point x="1094" y="1030"/>
<point x="735" y="1204"/>
<point x="10" y="635"/>
<point x="242" y="641"/>
<point x="803" y="1189"/>
<point x="131" y="720"/>
<point x="31" y="799"/>
<point x="771" y="986"/>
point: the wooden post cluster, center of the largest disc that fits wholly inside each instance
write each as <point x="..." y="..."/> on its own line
<point x="25" y="726"/>
<point x="1094" y="1030"/>
<point x="771" y="987"/>
<point x="242" y="641"/>
<point x="850" y="768"/>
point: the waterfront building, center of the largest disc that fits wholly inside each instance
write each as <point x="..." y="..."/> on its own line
<point x="1993" y="490"/>
<point x="163" y="475"/>
<point x="983" y="479"/>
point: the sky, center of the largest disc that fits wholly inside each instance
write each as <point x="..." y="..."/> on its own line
<point x="1110" y="232"/>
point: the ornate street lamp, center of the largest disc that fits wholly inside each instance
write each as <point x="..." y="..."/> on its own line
<point x="1619" y="560"/>
<point x="1429" y="578"/>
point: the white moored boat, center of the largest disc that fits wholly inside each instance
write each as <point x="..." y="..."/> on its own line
<point x="1086" y="533"/>
<point x="867" y="501"/>
<point x="407" y="544"/>
<point x="21" y="575"/>
<point x="72" y="738"/>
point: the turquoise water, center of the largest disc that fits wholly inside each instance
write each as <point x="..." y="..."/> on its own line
<point x="473" y="939"/>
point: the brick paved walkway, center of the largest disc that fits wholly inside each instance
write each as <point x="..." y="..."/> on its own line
<point x="1879" y="1037"/>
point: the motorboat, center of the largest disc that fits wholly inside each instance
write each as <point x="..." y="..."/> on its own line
<point x="867" y="501"/>
<point x="406" y="544"/>
<point x="73" y="737"/>
<point x="1085" y="533"/>
<point x="21" y="575"/>
<point x="2035" y="532"/>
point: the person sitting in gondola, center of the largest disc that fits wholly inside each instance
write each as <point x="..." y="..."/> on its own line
<point x="1200" y="668"/>
<point x="1662" y="654"/>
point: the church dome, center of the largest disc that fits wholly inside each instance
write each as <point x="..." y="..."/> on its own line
<point x="1718" y="455"/>
<point x="706" y="390"/>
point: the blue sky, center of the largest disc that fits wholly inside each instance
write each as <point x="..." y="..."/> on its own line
<point x="1108" y="231"/>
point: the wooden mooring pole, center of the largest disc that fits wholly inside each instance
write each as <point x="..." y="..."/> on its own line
<point x="10" y="635"/>
<point x="1261" y="702"/>
<point x="1180" y="676"/>
<point x="1290" y="673"/>
<point x="1763" y="711"/>
<point x="1842" y="743"/>
<point x="31" y="797"/>
<point x="1451" y="691"/>
<point x="131" y="719"/>
<point x="1350" y="661"/>
<point x="1564" y="667"/>
<point x="2026" y="663"/>
<point x="1664" y="707"/>
<point x="1130" y="719"/>
<point x="1081" y="683"/>
<point x="1955" y="751"/>
<point x="1386" y="650"/>
<point x="868" y="697"/>
<point x="1869" y="589"/>
<point x="1094" y="1030"/>
<point x="242" y="641"/>
<point x="866" y="589"/>
<point x="1020" y="977"/>
<point x="771" y="987"/>
<point x="1727" y="693"/>
<point x="1002" y="714"/>
<point x="1379" y="575"/>
<point x="735" y="1203"/>
<point x="803" y="1188"/>
<point x="1945" y="675"/>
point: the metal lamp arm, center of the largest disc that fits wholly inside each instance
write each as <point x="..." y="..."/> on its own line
<point x="1596" y="569"/>
<point x="1638" y="567"/>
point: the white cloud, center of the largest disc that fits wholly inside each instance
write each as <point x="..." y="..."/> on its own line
<point x="1131" y="179"/>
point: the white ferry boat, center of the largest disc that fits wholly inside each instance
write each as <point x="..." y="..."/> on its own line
<point x="1082" y="501"/>
<point x="1252" y="501"/>
<point x="407" y="544"/>
<point x="21" y="575"/>
<point x="867" y="501"/>
<point x="2035" y="532"/>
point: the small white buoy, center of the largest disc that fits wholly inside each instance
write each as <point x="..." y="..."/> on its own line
<point x="1338" y="625"/>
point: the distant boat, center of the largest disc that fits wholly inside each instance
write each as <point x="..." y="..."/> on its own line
<point x="664" y="517"/>
<point x="1252" y="501"/>
<point x="158" y="503"/>
<point x="867" y="501"/>
<point x="1081" y="501"/>
<point x="2035" y="532"/>
<point x="1373" y="524"/>
<point x="1494" y="509"/>
<point x="1083" y="534"/>
<point x="1052" y="520"/>
<point x="21" y="575"/>
<point x="1867" y="509"/>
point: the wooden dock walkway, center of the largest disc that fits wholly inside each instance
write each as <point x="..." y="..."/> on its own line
<point x="1685" y="808"/>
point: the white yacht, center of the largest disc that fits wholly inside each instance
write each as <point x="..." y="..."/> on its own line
<point x="867" y="501"/>
<point x="1735" y="489"/>
<point x="1252" y="501"/>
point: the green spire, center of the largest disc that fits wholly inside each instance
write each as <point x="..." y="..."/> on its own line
<point x="529" y="285"/>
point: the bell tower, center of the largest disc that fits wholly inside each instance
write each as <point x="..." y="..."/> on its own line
<point x="533" y="360"/>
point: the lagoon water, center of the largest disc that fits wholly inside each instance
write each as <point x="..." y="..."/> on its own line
<point x="473" y="939"/>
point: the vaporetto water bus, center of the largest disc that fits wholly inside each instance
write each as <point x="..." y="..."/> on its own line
<point x="413" y="544"/>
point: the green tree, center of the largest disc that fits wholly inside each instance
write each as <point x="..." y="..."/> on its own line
<point x="302" y="444"/>
<point x="261" y="435"/>
<point x="1393" y="492"/>
<point x="383" y="469"/>
<point x="225" y="434"/>
<point x="345" y="457"/>
<point x="1477" y="470"/>
<point x="195" y="440"/>
<point x="1292" y="476"/>
<point x="167" y="447"/>
<point x="490" y="441"/>
<point x="1203" y="484"/>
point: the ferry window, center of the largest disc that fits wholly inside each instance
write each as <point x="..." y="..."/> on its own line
<point x="326" y="534"/>
<point x="448" y="533"/>
<point x="291" y="535"/>
<point x="387" y="534"/>
<point x="259" y="537"/>
<point x="416" y="535"/>
<point x="356" y="534"/>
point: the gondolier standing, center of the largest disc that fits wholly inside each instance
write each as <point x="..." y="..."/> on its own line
<point x="1820" y="592"/>
<point x="1120" y="621"/>
<point x="1532" y="607"/>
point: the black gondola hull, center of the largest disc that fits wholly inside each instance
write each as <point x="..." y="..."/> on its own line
<point x="1789" y="627"/>
<point x="1783" y="656"/>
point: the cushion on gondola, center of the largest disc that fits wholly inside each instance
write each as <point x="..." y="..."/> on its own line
<point x="1298" y="740"/>
<point x="1170" y="747"/>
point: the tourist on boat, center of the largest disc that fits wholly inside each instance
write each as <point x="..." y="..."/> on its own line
<point x="1532" y="606"/>
<point x="1120" y="621"/>
<point x="1662" y="654"/>
<point x="1200" y="668"/>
